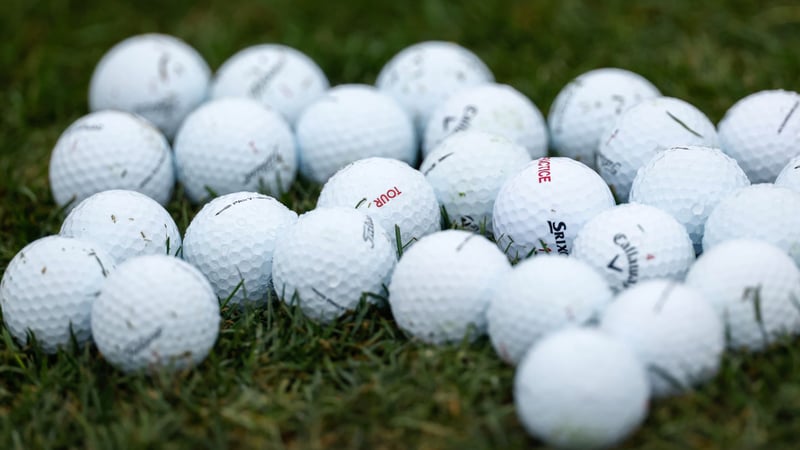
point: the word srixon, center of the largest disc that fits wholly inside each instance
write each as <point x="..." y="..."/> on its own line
<point x="557" y="229"/>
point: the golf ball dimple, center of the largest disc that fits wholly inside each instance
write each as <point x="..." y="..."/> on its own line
<point x="630" y="243"/>
<point x="232" y="240"/>
<point x="277" y="76"/>
<point x="48" y="289"/>
<point x="674" y="331"/>
<point x="581" y="388"/>
<point x="111" y="150"/>
<point x="543" y="207"/>
<point x="688" y="182"/>
<point x="643" y="131"/>
<point x="422" y="76"/>
<point x="352" y="122"/>
<point x="155" y="312"/>
<point x="588" y="106"/>
<point x="539" y="296"/>
<point x="157" y="76"/>
<point x="331" y="258"/>
<point x="762" y="132"/>
<point x="789" y="177"/>
<point x="392" y="192"/>
<point x="125" y="224"/>
<point x="467" y="170"/>
<point x="494" y="108"/>
<point x="442" y="286"/>
<point x="232" y="145"/>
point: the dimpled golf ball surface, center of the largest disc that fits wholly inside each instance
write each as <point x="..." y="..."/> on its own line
<point x="567" y="292"/>
<point x="234" y="144"/>
<point x="673" y="329"/>
<point x="155" y="312"/>
<point x="790" y="175"/>
<point x="467" y="170"/>
<point x="276" y="75"/>
<point x="688" y="182"/>
<point x="390" y="191"/>
<point x="442" y="286"/>
<point x="761" y="211"/>
<point x="494" y="108"/>
<point x="632" y="242"/>
<point x="111" y="150"/>
<point x="589" y="105"/>
<point x="542" y="208"/>
<point x="157" y="76"/>
<point x="329" y="259"/>
<point x="425" y="74"/>
<point x="232" y="239"/>
<point x="352" y="122"/>
<point x="754" y="286"/>
<point x="581" y="388"/>
<point x="762" y="132"/>
<point x="644" y="130"/>
<point x="124" y="223"/>
<point x="48" y="289"/>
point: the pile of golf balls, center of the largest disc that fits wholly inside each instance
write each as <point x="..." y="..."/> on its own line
<point x="439" y="203"/>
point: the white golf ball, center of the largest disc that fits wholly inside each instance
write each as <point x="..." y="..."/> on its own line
<point x="567" y="292"/>
<point x="494" y="108"/>
<point x="232" y="145"/>
<point x="589" y="105"/>
<point x="331" y="258"/>
<point x="542" y="208"/>
<point x="278" y="76"/>
<point x="48" y="289"/>
<point x="688" y="182"/>
<point x="232" y="239"/>
<point x="155" y="312"/>
<point x="789" y="177"/>
<point x="352" y="122"/>
<point x="581" y="388"/>
<point x="630" y="243"/>
<point x="392" y="192"/>
<point x="442" y="286"/>
<point x="157" y="76"/>
<point x="644" y="130"/>
<point x="111" y="150"/>
<point x="754" y="287"/>
<point x="467" y="170"/>
<point x="761" y="211"/>
<point x="125" y="224"/>
<point x="762" y="132"/>
<point x="422" y="76"/>
<point x="674" y="331"/>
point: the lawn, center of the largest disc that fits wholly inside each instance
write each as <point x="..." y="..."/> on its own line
<point x="275" y="380"/>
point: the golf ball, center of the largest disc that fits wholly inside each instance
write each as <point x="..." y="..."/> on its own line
<point x="589" y="105"/>
<point x="157" y="76"/>
<point x="467" y="170"/>
<point x="688" y="182"/>
<point x="277" y="76"/>
<point x="330" y="259"/>
<point x="542" y="208"/>
<point x="232" y="240"/>
<point x="568" y="292"/>
<point x="111" y="150"/>
<point x="790" y="175"/>
<point x="442" y="286"/>
<point x="124" y="223"/>
<point x="155" y="312"/>
<point x="232" y="145"/>
<point x="48" y="289"/>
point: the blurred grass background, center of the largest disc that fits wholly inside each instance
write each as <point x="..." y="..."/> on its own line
<point x="277" y="381"/>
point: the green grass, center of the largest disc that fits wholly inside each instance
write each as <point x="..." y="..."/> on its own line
<point x="275" y="380"/>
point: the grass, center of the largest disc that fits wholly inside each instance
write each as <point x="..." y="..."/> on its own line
<point x="274" y="380"/>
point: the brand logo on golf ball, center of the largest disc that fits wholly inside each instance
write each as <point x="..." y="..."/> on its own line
<point x="273" y="159"/>
<point x="544" y="170"/>
<point x="557" y="230"/>
<point x="369" y="232"/>
<point x="464" y="122"/>
<point x="631" y="253"/>
<point x="387" y="197"/>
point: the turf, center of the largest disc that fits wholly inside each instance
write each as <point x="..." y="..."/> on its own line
<point x="274" y="380"/>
